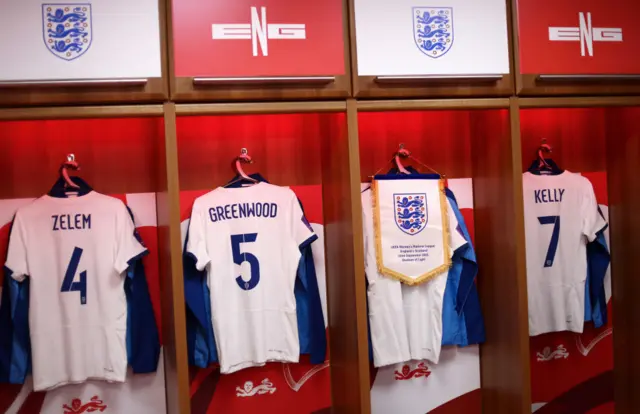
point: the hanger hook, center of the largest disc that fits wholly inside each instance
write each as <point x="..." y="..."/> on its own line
<point x="403" y="152"/>
<point x="69" y="164"/>
<point x="543" y="149"/>
<point x="244" y="156"/>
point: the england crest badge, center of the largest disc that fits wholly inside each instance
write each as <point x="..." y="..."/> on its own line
<point x="410" y="212"/>
<point x="433" y="30"/>
<point x="66" y="28"/>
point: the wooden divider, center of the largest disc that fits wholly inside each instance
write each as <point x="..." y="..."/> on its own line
<point x="343" y="255"/>
<point x="171" y="278"/>
<point x="499" y="212"/>
<point x="623" y="172"/>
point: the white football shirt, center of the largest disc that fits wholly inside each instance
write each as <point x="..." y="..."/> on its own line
<point x="249" y="240"/>
<point x="75" y="251"/>
<point x="405" y="321"/>
<point x="561" y="216"/>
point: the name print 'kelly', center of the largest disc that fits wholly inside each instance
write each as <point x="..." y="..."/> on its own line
<point x="549" y="195"/>
<point x="71" y="221"/>
<point x="242" y="210"/>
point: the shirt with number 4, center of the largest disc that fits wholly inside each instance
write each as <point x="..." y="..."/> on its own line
<point x="249" y="240"/>
<point x="561" y="216"/>
<point x="75" y="252"/>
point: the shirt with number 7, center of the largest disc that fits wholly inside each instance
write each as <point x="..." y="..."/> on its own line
<point x="561" y="217"/>
<point x="249" y="240"/>
<point x="75" y="252"/>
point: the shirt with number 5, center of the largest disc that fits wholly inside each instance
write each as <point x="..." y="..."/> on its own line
<point x="249" y="240"/>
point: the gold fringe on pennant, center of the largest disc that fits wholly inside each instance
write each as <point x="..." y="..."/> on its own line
<point x="446" y="236"/>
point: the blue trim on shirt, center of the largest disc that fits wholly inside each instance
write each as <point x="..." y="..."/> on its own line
<point x="308" y="242"/>
<point x="60" y="188"/>
<point x="137" y="257"/>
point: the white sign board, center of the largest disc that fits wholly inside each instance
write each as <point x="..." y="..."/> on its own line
<point x="98" y="39"/>
<point x="427" y="37"/>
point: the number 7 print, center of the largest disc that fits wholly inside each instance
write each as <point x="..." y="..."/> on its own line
<point x="555" y="235"/>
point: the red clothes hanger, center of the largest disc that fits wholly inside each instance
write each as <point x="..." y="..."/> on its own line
<point x="401" y="154"/>
<point x="543" y="149"/>
<point x="243" y="158"/>
<point x="69" y="164"/>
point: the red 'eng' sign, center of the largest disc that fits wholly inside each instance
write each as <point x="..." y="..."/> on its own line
<point x="264" y="38"/>
<point x="579" y="36"/>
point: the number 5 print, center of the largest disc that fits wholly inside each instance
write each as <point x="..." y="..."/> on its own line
<point x="239" y="258"/>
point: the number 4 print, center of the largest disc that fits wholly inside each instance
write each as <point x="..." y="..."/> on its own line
<point x="239" y="258"/>
<point x="555" y="235"/>
<point x="68" y="285"/>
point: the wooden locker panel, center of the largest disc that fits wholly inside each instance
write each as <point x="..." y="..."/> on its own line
<point x="467" y="139"/>
<point x="121" y="153"/>
<point x="574" y="371"/>
<point x="623" y="153"/>
<point x="501" y="262"/>
<point x="347" y="312"/>
<point x="305" y="150"/>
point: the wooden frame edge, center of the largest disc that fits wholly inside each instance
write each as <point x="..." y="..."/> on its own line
<point x="351" y="13"/>
<point x="165" y="52"/>
<point x="349" y="45"/>
<point x="170" y="55"/>
<point x="260" y="108"/>
<point x="432" y="104"/>
<point x="577" y="102"/>
<point x="77" y="112"/>
<point x="515" y="38"/>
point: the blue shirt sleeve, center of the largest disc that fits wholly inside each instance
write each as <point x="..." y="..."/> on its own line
<point x="201" y="344"/>
<point x="311" y="330"/>
<point x="143" y="339"/>
<point x="465" y="326"/>
<point x="15" y="343"/>
<point x="598" y="259"/>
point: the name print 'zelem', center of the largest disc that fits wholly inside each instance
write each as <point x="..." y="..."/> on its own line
<point x="71" y="221"/>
